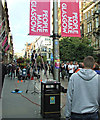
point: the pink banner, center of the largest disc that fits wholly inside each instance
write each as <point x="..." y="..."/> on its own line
<point x="70" y="18"/>
<point x="39" y="17"/>
<point x="7" y="48"/>
<point x="3" y="43"/>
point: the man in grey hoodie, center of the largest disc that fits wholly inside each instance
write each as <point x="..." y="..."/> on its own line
<point x="83" y="96"/>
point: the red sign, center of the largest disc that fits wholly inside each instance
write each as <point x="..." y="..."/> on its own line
<point x="39" y="17"/>
<point x="70" y="19"/>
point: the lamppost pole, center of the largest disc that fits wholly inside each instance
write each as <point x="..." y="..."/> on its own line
<point x="56" y="41"/>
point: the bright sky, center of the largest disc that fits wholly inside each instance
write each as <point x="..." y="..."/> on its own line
<point x="18" y="11"/>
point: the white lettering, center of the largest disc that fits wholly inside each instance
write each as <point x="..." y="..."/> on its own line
<point x="33" y="4"/>
<point x="45" y="21"/>
<point x="39" y="25"/>
<point x="33" y="16"/>
<point x="70" y="25"/>
<point x="75" y="23"/>
<point x="64" y="17"/>
<point x="33" y="26"/>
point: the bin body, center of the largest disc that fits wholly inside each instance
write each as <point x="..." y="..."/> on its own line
<point x="50" y="99"/>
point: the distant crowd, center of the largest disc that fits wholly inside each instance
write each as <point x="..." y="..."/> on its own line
<point x="68" y="68"/>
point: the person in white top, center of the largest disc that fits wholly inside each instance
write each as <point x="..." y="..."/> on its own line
<point x="71" y="69"/>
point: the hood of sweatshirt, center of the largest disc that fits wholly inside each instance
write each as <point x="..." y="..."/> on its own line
<point x="87" y="74"/>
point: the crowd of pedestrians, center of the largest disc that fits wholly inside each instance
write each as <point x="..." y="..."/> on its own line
<point x="68" y="68"/>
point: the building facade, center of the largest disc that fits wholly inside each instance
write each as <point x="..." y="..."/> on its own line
<point x="29" y="47"/>
<point x="6" y="40"/>
<point x="90" y="23"/>
<point x="44" y="46"/>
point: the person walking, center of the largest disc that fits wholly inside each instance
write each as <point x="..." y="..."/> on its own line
<point x="67" y="71"/>
<point x="71" y="69"/>
<point x="83" y="96"/>
<point x="13" y="69"/>
<point x="19" y="74"/>
<point x="76" y="66"/>
<point x="63" y="72"/>
<point x="34" y="56"/>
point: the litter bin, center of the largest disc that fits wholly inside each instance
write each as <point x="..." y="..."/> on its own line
<point x="50" y="99"/>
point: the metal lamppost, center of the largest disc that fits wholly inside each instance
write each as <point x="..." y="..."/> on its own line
<point x="56" y="41"/>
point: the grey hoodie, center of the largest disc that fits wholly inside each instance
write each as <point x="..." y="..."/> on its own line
<point x="82" y="93"/>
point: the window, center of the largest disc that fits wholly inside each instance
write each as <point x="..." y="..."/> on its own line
<point x="49" y="55"/>
<point x="97" y="22"/>
<point x="49" y="49"/>
<point x="91" y="11"/>
<point x="96" y="43"/>
<point x="90" y="26"/>
<point x="95" y="8"/>
<point x="45" y="49"/>
<point x="88" y="13"/>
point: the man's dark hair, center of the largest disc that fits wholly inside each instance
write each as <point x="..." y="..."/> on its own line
<point x="89" y="62"/>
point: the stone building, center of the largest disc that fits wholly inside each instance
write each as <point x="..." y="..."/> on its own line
<point x="90" y="23"/>
<point x="6" y="42"/>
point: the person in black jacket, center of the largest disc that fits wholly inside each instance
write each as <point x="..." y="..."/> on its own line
<point x="33" y="56"/>
<point x="63" y="73"/>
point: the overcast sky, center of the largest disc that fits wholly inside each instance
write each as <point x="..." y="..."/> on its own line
<point x="18" y="11"/>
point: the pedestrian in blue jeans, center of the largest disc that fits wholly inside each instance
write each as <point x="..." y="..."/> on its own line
<point x="83" y="97"/>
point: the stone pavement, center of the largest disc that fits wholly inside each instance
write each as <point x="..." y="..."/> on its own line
<point x="18" y="106"/>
